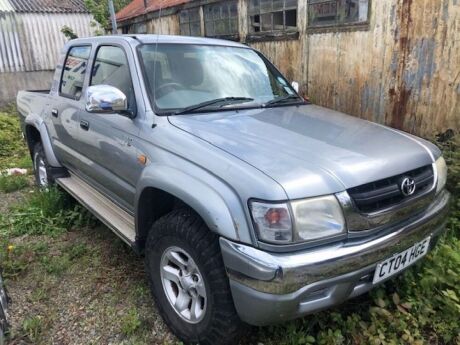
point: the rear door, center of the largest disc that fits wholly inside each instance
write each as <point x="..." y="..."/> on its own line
<point x="64" y="108"/>
<point x="108" y="141"/>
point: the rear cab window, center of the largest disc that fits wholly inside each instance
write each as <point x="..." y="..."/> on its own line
<point x="73" y="74"/>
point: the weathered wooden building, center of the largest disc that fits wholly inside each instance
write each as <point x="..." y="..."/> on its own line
<point x="390" y="61"/>
<point x="31" y="40"/>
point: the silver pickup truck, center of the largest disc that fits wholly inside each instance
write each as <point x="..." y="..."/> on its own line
<point x="249" y="203"/>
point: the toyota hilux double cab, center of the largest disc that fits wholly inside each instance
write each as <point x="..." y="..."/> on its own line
<point x="250" y="204"/>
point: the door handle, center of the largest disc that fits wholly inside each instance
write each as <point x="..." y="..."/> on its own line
<point x="84" y="125"/>
<point x="54" y="112"/>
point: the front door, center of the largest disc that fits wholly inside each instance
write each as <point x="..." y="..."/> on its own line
<point x="108" y="141"/>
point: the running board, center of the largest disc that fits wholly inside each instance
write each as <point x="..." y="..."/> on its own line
<point x="117" y="219"/>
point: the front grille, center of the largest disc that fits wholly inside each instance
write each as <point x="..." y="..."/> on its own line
<point x="374" y="196"/>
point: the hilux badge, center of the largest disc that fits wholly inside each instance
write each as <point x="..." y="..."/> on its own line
<point x="408" y="186"/>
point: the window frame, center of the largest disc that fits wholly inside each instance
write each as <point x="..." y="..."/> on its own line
<point x="336" y="26"/>
<point x="270" y="12"/>
<point x="234" y="36"/>
<point x="274" y="34"/>
<point x="189" y="22"/>
<point x="65" y="95"/>
<point x="134" y="111"/>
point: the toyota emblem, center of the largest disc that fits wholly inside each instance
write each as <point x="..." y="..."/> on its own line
<point x="408" y="186"/>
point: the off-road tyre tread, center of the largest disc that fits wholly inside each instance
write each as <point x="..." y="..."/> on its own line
<point x="224" y="325"/>
<point x="38" y="148"/>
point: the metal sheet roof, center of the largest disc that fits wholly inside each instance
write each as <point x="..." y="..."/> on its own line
<point x="5" y="6"/>
<point x="43" y="6"/>
<point x="137" y="7"/>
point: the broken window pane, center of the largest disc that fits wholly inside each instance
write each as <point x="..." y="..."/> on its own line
<point x="291" y="19"/>
<point x="272" y="15"/>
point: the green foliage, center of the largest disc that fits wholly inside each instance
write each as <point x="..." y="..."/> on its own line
<point x="12" y="147"/>
<point x="100" y="10"/>
<point x="130" y="322"/>
<point x="47" y="212"/>
<point x="68" y="32"/>
<point x="12" y="183"/>
<point x="32" y="327"/>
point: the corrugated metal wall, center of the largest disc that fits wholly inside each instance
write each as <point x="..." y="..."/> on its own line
<point x="403" y="71"/>
<point x="32" y="41"/>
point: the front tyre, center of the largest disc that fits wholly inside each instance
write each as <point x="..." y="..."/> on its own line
<point x="188" y="280"/>
<point x="43" y="178"/>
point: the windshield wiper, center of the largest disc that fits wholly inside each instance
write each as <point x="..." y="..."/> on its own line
<point x="225" y="100"/>
<point x="282" y="99"/>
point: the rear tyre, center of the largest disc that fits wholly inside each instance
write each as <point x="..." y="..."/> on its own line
<point x="42" y="174"/>
<point x="188" y="280"/>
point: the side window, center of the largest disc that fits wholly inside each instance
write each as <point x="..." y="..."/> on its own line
<point x="337" y="12"/>
<point x="74" y="72"/>
<point x="221" y="19"/>
<point x="272" y="15"/>
<point x="111" y="68"/>
<point x="189" y="21"/>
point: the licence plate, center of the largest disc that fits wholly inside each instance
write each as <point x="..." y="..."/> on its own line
<point x="400" y="261"/>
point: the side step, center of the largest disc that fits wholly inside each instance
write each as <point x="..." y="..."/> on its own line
<point x="117" y="219"/>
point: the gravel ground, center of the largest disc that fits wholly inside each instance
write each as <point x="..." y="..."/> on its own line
<point x="97" y="294"/>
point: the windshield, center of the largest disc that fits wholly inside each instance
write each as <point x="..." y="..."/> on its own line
<point x="186" y="77"/>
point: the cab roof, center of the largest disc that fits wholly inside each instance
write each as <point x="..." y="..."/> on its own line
<point x="153" y="38"/>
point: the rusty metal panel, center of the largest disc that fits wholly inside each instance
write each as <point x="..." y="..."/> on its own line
<point x="424" y="90"/>
<point x="33" y="41"/>
<point x="404" y="71"/>
<point x="285" y="55"/>
<point x="347" y="70"/>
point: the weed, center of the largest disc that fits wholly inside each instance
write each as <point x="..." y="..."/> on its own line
<point x="49" y="212"/>
<point x="76" y="251"/>
<point x="55" y="264"/>
<point x="32" y="327"/>
<point x="14" y="261"/>
<point x="130" y="322"/>
<point x="13" y="183"/>
<point x="39" y="294"/>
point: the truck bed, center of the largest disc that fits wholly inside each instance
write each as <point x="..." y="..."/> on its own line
<point x="32" y="102"/>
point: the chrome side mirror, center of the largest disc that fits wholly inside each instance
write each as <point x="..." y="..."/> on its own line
<point x="105" y="99"/>
<point x="295" y="86"/>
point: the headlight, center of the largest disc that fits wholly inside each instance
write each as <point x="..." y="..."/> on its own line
<point x="312" y="219"/>
<point x="441" y="173"/>
<point x="317" y="218"/>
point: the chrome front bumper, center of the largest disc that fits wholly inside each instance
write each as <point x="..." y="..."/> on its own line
<point x="272" y="287"/>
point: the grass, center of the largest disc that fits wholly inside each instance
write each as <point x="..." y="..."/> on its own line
<point x="13" y="183"/>
<point x="74" y="279"/>
<point x="13" y="152"/>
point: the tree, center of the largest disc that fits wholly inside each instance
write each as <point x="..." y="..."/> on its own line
<point x="100" y="10"/>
